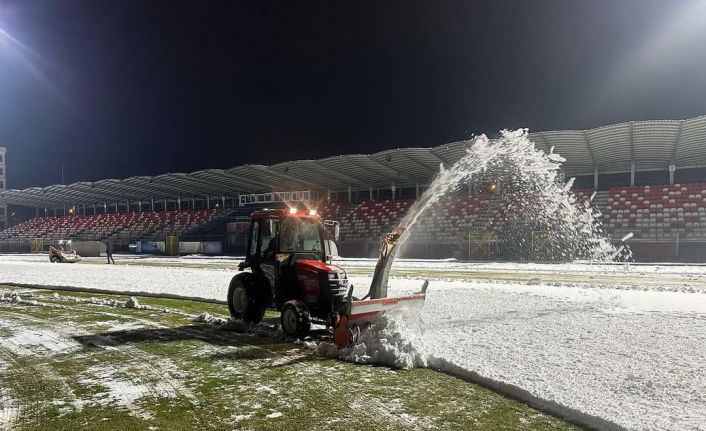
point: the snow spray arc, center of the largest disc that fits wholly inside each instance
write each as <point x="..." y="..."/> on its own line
<point x="533" y="194"/>
<point x="534" y="199"/>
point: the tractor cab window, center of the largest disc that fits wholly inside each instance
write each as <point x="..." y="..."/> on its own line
<point x="268" y="237"/>
<point x="300" y="235"/>
<point x="254" y="232"/>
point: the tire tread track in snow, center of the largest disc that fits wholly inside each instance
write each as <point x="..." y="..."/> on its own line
<point x="9" y="411"/>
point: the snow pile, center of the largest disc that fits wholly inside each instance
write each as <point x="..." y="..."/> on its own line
<point x="208" y="318"/>
<point x="132" y="303"/>
<point x="384" y="342"/>
<point x="16" y="298"/>
<point x="103" y="302"/>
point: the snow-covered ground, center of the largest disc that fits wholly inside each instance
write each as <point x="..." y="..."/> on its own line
<point x="586" y="267"/>
<point x="210" y="283"/>
<point x="131" y="258"/>
<point x="634" y="356"/>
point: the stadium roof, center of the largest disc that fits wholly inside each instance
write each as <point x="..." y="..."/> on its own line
<point x="647" y="144"/>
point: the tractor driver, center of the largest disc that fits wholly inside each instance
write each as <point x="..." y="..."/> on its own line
<point x="289" y="235"/>
<point x="270" y="252"/>
<point x="271" y="248"/>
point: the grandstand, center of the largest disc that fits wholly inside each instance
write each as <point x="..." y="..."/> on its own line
<point x="132" y="225"/>
<point x="648" y="176"/>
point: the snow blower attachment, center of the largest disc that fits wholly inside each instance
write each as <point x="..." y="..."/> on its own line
<point x="366" y="310"/>
<point x="289" y="258"/>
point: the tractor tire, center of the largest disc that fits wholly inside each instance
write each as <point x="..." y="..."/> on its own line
<point x="54" y="259"/>
<point x="296" y="321"/>
<point x="243" y="304"/>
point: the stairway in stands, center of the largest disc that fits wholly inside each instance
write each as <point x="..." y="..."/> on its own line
<point x="601" y="200"/>
<point x="488" y="213"/>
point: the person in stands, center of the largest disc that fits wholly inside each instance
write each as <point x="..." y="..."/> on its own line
<point x="109" y="249"/>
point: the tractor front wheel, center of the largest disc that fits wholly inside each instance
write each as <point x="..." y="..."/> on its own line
<point x="242" y="302"/>
<point x="296" y="321"/>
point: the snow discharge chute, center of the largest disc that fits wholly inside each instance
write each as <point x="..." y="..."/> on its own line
<point x="376" y="302"/>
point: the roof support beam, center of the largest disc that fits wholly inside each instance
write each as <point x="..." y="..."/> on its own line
<point x="117" y="191"/>
<point x="345" y="178"/>
<point x="588" y="147"/>
<point x="676" y="141"/>
<point x="391" y="170"/>
<point x="290" y="178"/>
<point x="236" y="182"/>
<point x="446" y="162"/>
<point x="99" y="194"/>
<point x="250" y="182"/>
<point x="360" y="182"/>
<point x="167" y="189"/>
<point x="312" y="172"/>
<point x="206" y="186"/>
<point x="418" y="163"/>
<point x="631" y="140"/>
<point x="544" y="140"/>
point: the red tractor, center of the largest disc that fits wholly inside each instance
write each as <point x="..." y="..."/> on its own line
<point x="289" y="261"/>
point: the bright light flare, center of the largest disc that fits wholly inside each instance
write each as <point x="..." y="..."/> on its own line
<point x="292" y="210"/>
<point x="312" y="212"/>
<point x="20" y="56"/>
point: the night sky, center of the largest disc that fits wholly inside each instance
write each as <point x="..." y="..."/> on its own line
<point x="116" y="88"/>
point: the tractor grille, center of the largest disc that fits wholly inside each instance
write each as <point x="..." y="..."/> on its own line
<point x="338" y="287"/>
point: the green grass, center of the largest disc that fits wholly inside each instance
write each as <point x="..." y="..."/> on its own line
<point x="172" y="373"/>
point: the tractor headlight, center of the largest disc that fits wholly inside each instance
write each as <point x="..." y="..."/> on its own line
<point x="333" y="276"/>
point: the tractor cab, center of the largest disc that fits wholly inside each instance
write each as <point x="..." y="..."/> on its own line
<point x="289" y="256"/>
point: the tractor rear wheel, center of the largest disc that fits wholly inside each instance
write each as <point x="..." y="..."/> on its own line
<point x="242" y="301"/>
<point x="54" y="259"/>
<point x="296" y="321"/>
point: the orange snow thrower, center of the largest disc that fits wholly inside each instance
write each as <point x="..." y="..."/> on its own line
<point x="359" y="313"/>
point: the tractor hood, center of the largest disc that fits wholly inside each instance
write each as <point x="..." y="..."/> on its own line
<point x="312" y="275"/>
<point x="311" y="265"/>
